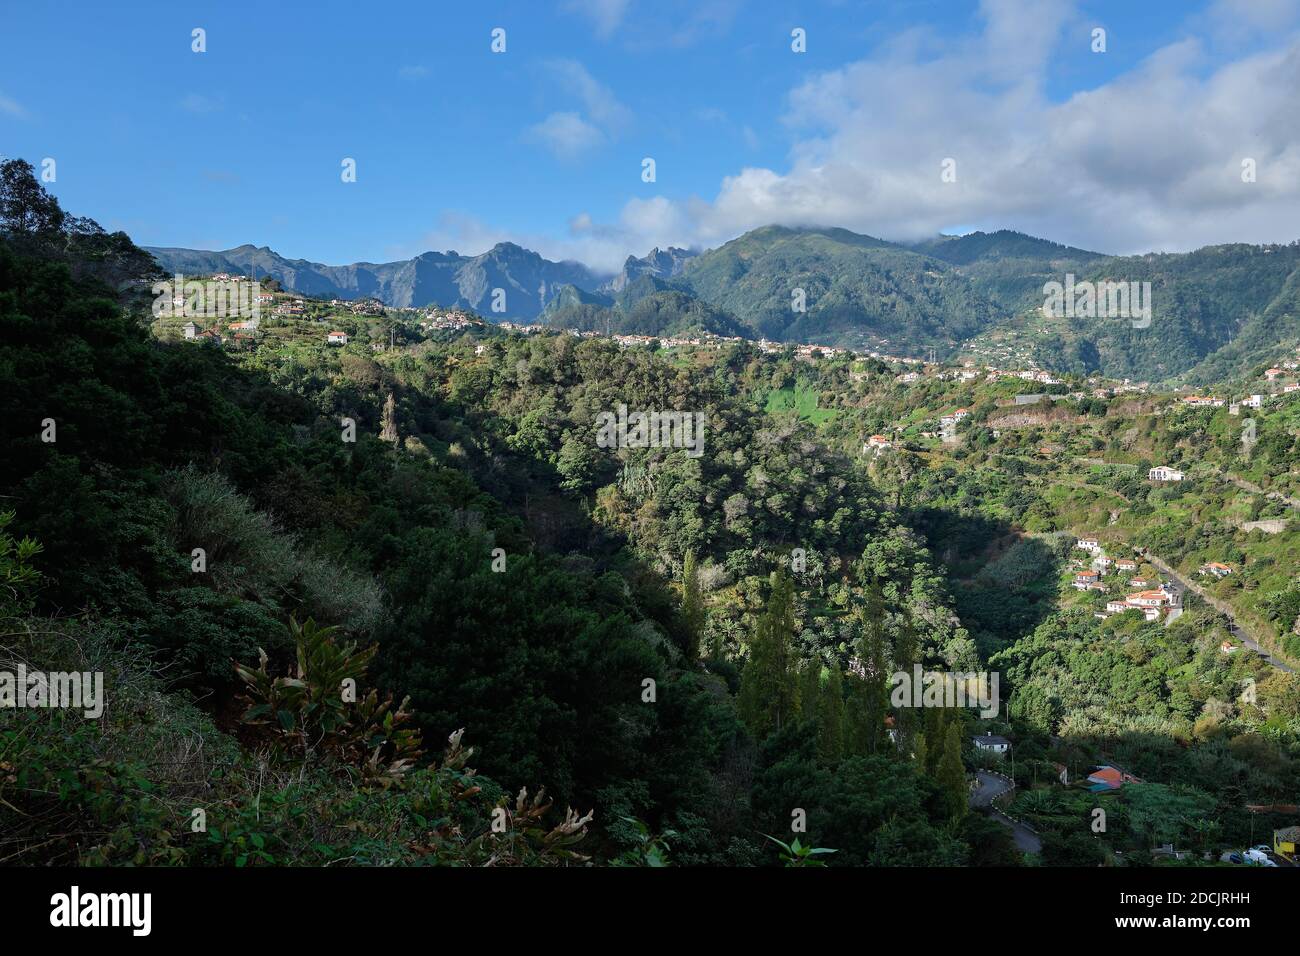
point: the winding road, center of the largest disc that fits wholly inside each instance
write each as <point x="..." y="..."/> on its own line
<point x="990" y="785"/>
<point x="1221" y="606"/>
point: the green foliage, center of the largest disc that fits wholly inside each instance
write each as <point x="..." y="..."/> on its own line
<point x="769" y="688"/>
<point x="320" y="710"/>
<point x="18" y="577"/>
<point x="794" y="854"/>
<point x="951" y="774"/>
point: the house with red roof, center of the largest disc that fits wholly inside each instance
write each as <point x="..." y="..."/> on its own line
<point x="1109" y="778"/>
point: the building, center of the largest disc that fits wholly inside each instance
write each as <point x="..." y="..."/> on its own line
<point x="337" y="338"/>
<point x="1272" y="373"/>
<point x="1164" y="473"/>
<point x="190" y="330"/>
<point x="1109" y="778"/>
<point x="1216" y="569"/>
<point x="991" y="742"/>
<point x="1101" y="562"/>
<point x="1085" y="580"/>
<point x="877" y="443"/>
<point x="1253" y="401"/>
<point x="1152" y="604"/>
<point x="1155" y="598"/>
<point x="1126" y="564"/>
<point x="1089" y="544"/>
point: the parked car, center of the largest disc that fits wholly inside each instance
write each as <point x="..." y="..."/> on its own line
<point x="1259" y="855"/>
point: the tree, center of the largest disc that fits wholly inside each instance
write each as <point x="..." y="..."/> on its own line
<point x="952" y="774"/>
<point x="388" y="422"/>
<point x="769" y="686"/>
<point x="692" y="605"/>
<point x="868" y="681"/>
<point x="920" y="752"/>
<point x="830" y="713"/>
<point x="25" y="206"/>
<point x="934" y="732"/>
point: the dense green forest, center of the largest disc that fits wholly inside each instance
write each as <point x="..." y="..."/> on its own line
<point x="647" y="657"/>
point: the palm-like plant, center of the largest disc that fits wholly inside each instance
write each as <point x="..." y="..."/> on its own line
<point x="319" y="710"/>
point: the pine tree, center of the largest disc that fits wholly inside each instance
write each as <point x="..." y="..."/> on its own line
<point x="830" y="711"/>
<point x="872" y="686"/>
<point x="769" y="684"/>
<point x="951" y="775"/>
<point x="934" y="731"/>
<point x="692" y="605"/>
<point x="907" y="645"/>
<point x="920" y="752"/>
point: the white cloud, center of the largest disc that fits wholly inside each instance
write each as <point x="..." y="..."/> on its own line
<point x="11" y="107"/>
<point x="1150" y="160"/>
<point x="571" y="133"/>
<point x="605" y="15"/>
<point x="567" y="135"/>
<point x="597" y="99"/>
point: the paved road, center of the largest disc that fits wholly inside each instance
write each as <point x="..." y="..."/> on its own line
<point x="990" y="785"/>
<point x="1221" y="606"/>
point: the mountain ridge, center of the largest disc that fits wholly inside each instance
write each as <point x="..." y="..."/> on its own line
<point x="977" y="295"/>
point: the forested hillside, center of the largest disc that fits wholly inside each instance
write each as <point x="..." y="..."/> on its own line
<point x="691" y="649"/>
<point x="518" y="584"/>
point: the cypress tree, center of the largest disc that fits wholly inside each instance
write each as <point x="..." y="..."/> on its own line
<point x="692" y="605"/>
<point x="769" y="684"/>
<point x="830" y="710"/>
<point x="951" y="775"/>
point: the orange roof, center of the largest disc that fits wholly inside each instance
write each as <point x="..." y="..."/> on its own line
<point x="1216" y="564"/>
<point x="338" y="333"/>
<point x="1108" y="775"/>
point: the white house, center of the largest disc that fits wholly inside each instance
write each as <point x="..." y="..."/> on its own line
<point x="1164" y="473"/>
<point x="337" y="338"/>
<point x="1089" y="544"/>
<point x="1216" y="569"/>
<point x="1157" y="598"/>
<point x="877" y="443"/>
<point x="190" y="330"/>
<point x="1126" y="564"/>
<point x="992" y="742"/>
<point x="1253" y="401"/>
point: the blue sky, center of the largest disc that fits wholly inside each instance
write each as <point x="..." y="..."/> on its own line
<point x="457" y="147"/>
